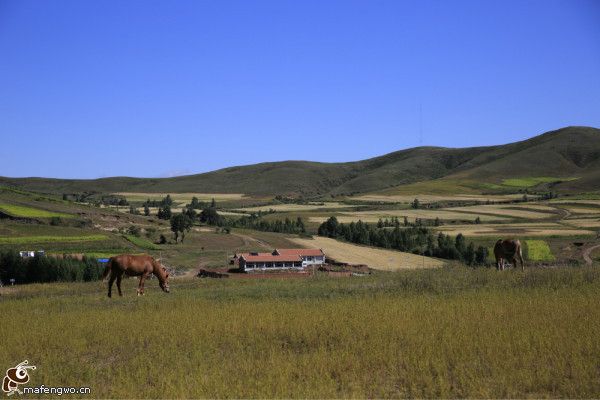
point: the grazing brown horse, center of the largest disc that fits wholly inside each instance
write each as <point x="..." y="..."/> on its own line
<point x="142" y="266"/>
<point x="508" y="250"/>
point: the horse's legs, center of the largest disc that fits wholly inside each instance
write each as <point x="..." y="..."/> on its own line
<point x="119" y="277"/>
<point x="140" y="285"/>
<point x="522" y="263"/>
<point x="514" y="262"/>
<point x="142" y="280"/>
<point x="110" y="283"/>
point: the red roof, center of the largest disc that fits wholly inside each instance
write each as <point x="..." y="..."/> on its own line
<point x="268" y="257"/>
<point x="301" y="252"/>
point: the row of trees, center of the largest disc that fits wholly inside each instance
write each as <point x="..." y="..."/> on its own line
<point x="282" y="226"/>
<point x="413" y="239"/>
<point x="40" y="269"/>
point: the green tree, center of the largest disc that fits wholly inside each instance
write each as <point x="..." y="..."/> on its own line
<point x="164" y="212"/>
<point x="415" y="204"/>
<point x="210" y="216"/>
<point x="146" y="210"/>
<point x="180" y="224"/>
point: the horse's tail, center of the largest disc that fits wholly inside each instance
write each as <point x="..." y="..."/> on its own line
<point x="107" y="269"/>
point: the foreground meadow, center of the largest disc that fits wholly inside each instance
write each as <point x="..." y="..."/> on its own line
<point x="449" y="332"/>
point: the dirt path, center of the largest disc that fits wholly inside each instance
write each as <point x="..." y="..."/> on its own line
<point x="248" y="240"/>
<point x="587" y="252"/>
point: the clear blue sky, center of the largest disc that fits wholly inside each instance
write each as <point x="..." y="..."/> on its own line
<point x="147" y="88"/>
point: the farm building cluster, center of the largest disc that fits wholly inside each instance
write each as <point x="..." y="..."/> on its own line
<point x="279" y="259"/>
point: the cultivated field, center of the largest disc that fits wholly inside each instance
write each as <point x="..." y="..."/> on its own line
<point x="30" y="212"/>
<point x="382" y="259"/>
<point x="510" y="210"/>
<point x="181" y="197"/>
<point x="431" y="198"/>
<point x="297" y="207"/>
<point x="389" y="335"/>
<point x="514" y="230"/>
<point x="412" y="215"/>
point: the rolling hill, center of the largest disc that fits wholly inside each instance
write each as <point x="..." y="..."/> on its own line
<point x="568" y="159"/>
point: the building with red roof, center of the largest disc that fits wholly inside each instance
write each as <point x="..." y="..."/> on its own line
<point x="280" y="259"/>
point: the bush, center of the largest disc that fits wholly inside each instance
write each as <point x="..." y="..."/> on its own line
<point x="41" y="269"/>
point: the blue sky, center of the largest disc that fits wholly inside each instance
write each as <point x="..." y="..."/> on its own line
<point x="147" y="88"/>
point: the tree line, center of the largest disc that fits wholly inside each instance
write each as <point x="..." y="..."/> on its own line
<point x="412" y="239"/>
<point x="41" y="269"/>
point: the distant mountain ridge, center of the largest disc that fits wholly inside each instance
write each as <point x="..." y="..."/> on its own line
<point x="568" y="152"/>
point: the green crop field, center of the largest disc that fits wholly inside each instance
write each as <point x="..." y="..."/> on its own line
<point x="30" y="212"/>
<point x="141" y="242"/>
<point x="430" y="333"/>
<point x="533" y="181"/>
<point x="51" y="239"/>
<point x="538" y="250"/>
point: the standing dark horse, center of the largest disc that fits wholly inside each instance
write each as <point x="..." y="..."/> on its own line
<point x="142" y="266"/>
<point x="508" y="250"/>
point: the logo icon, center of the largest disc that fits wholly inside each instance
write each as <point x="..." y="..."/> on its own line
<point x="16" y="376"/>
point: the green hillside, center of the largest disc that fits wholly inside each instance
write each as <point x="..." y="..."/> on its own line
<point x="568" y="159"/>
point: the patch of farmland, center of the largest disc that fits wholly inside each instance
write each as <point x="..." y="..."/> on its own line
<point x="582" y="202"/>
<point x="387" y="260"/>
<point x="533" y="181"/>
<point x="30" y="212"/>
<point x="582" y="210"/>
<point x="51" y="239"/>
<point x="506" y="210"/>
<point x="297" y="207"/>
<point x="538" y="250"/>
<point x="512" y="230"/>
<point x="583" y="222"/>
<point x="428" y="198"/>
<point x="412" y="215"/>
<point x="182" y="197"/>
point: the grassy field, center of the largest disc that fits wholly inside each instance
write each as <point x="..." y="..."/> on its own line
<point x="427" y="333"/>
<point x="382" y="259"/>
<point x="30" y="212"/>
<point x="538" y="250"/>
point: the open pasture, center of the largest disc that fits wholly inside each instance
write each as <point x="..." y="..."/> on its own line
<point x="515" y="230"/>
<point x="389" y="335"/>
<point x="382" y="259"/>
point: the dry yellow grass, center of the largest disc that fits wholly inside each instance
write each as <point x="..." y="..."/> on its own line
<point x="387" y="260"/>
<point x="501" y="230"/>
<point x="296" y="207"/>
